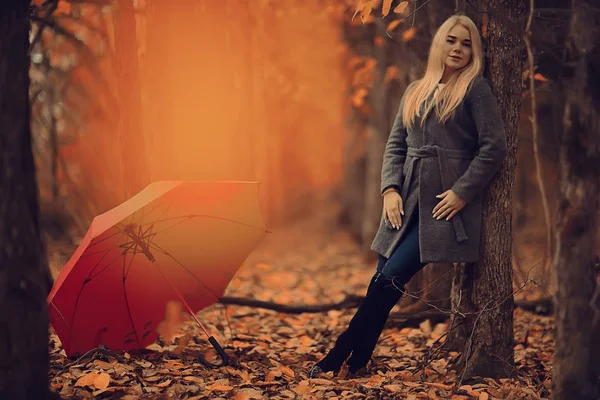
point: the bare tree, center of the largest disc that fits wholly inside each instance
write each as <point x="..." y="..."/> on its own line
<point x="576" y="364"/>
<point x="24" y="275"/>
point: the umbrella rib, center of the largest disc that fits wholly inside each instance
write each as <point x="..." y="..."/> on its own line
<point x="191" y="216"/>
<point x="89" y="277"/>
<point x="104" y="268"/>
<point x="154" y="246"/>
<point x="135" y="333"/>
<point x="97" y="242"/>
<point x="73" y="336"/>
<point x="110" y="236"/>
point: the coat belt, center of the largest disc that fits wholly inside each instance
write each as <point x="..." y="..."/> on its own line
<point x="442" y="155"/>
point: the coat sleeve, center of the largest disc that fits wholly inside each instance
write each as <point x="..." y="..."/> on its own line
<point x="491" y="139"/>
<point x="395" y="152"/>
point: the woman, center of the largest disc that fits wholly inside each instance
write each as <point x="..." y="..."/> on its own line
<point x="446" y="144"/>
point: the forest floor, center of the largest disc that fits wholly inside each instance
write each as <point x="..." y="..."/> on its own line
<point x="309" y="262"/>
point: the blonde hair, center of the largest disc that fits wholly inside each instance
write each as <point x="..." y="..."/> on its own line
<point x="419" y="98"/>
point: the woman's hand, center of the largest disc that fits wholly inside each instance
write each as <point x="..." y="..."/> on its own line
<point x="448" y="206"/>
<point x="393" y="208"/>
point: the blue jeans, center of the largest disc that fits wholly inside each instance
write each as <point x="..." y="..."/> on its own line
<point x="404" y="262"/>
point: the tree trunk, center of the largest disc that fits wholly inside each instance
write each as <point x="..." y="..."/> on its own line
<point x="131" y="133"/>
<point x="157" y="75"/>
<point x="24" y="276"/>
<point x="576" y="364"/>
<point x="485" y="290"/>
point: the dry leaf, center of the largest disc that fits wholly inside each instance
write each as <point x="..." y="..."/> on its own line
<point x="439" y="385"/>
<point x="387" y="5"/>
<point x="302" y="389"/>
<point x="103" y="364"/>
<point x="393" y="387"/>
<point x="400" y="8"/>
<point x="221" y="388"/>
<point x="94" y="380"/>
<point x="287" y="371"/>
<point x="164" y="384"/>
<point x="183" y="342"/>
<point x="321" y="381"/>
<point x="393" y="25"/>
<point x="194" y="379"/>
<point x="248" y="394"/>
<point x="364" y="7"/>
<point x="539" y="77"/>
<point x="409" y="34"/>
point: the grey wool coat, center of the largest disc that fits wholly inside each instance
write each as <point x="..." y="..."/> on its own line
<point x="422" y="162"/>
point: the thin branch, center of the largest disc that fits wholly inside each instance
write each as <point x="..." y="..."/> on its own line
<point x="43" y="24"/>
<point x="412" y="14"/>
<point x="534" y="128"/>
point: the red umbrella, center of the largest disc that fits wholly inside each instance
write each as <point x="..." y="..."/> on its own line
<point x="173" y="241"/>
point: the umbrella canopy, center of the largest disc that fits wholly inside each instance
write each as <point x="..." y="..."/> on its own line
<point x="173" y="241"/>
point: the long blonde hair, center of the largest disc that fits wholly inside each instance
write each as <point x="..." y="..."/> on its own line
<point x="419" y="98"/>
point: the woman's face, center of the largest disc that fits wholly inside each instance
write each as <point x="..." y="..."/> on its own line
<point x="457" y="48"/>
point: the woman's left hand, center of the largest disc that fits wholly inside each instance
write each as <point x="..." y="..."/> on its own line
<point x="448" y="206"/>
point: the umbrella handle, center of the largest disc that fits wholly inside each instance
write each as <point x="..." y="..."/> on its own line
<point x="219" y="350"/>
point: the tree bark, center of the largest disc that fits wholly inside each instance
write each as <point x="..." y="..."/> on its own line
<point x="131" y="133"/>
<point x="485" y="288"/>
<point x="576" y="364"/>
<point x="24" y="275"/>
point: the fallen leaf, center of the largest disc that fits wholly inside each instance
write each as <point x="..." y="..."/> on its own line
<point x="94" y="380"/>
<point x="248" y="394"/>
<point x="103" y="364"/>
<point x="321" y="381"/>
<point x="393" y="387"/>
<point x="302" y="389"/>
<point x="194" y="379"/>
<point x="183" y="342"/>
<point x="439" y="385"/>
<point x="287" y="371"/>
<point x="221" y="388"/>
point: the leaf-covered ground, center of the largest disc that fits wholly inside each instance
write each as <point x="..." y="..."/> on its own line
<point x="309" y="263"/>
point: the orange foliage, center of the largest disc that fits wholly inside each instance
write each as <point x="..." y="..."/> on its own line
<point x="409" y="34"/>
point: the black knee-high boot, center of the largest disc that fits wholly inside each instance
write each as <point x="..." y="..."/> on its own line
<point x="387" y="296"/>
<point x="346" y="341"/>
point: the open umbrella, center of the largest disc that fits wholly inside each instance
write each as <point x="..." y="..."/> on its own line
<point x="173" y="241"/>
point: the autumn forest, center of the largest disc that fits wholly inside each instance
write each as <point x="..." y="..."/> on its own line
<point x="190" y="192"/>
